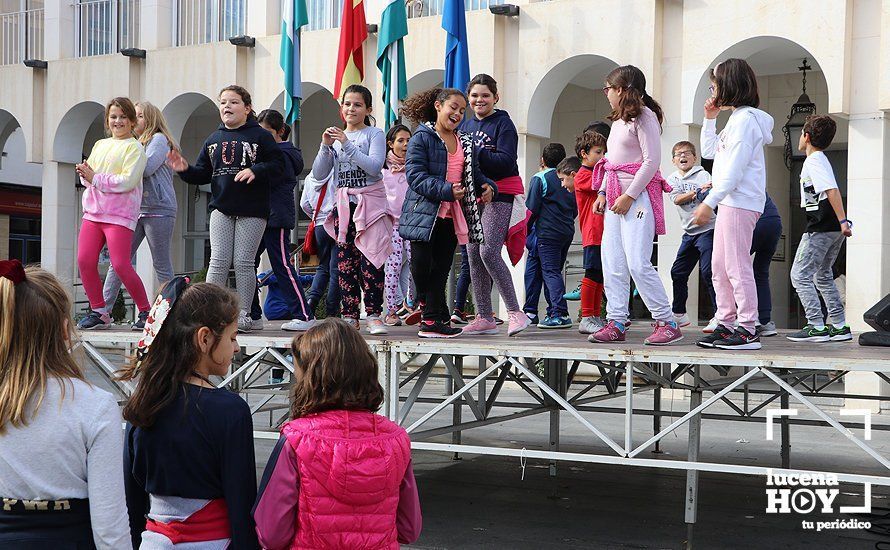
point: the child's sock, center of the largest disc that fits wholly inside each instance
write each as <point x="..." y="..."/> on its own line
<point x="588" y="297"/>
<point x="819" y="327"/>
<point x="840" y="325"/>
<point x="620" y="326"/>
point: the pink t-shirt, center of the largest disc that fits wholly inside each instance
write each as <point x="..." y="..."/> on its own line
<point x="453" y="174"/>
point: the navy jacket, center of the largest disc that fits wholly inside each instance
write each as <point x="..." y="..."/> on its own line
<point x="283" y="211"/>
<point x="425" y="168"/>
<point x="496" y="137"/>
<point x="553" y="208"/>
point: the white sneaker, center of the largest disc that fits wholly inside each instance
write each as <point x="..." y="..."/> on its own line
<point x="375" y="325"/>
<point x="590" y="325"/>
<point x="298" y="325"/>
<point x="245" y="323"/>
<point x="682" y="320"/>
<point x="711" y="327"/>
<point x="256" y="324"/>
<point x="766" y="330"/>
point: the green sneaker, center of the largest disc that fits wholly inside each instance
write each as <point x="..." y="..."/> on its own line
<point x="810" y="333"/>
<point x="843" y="334"/>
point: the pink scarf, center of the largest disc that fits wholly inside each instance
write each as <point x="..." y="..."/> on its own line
<point x="395" y="163"/>
<point x="655" y="187"/>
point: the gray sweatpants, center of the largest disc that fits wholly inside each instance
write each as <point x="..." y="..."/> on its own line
<point x="159" y="233"/>
<point x="235" y="240"/>
<point x="811" y="275"/>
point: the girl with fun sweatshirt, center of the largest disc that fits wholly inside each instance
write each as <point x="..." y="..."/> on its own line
<point x="739" y="187"/>
<point x="631" y="187"/>
<point x="239" y="161"/>
<point x="360" y="222"/>
<point x="398" y="265"/>
<point x="496" y="139"/>
<point x="112" y="176"/>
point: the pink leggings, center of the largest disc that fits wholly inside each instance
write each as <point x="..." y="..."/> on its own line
<point x="732" y="270"/>
<point x="119" y="239"/>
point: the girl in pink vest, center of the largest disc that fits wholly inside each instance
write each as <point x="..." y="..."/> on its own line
<point x="340" y="475"/>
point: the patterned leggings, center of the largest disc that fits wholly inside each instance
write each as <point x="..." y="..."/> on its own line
<point x="235" y="240"/>
<point x="398" y="273"/>
<point x="486" y="260"/>
<point x="357" y="273"/>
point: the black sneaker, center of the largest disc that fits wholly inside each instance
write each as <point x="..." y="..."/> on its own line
<point x="437" y="330"/>
<point x="458" y="317"/>
<point x="740" y="339"/>
<point x="497" y="321"/>
<point x="140" y="321"/>
<point x="720" y="333"/>
<point x="94" y="321"/>
<point x="533" y="317"/>
<point x="840" y="334"/>
<point x="810" y="333"/>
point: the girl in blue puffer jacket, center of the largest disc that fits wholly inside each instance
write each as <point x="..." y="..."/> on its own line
<point x="442" y="204"/>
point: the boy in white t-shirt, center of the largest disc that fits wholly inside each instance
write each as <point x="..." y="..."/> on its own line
<point x="827" y="226"/>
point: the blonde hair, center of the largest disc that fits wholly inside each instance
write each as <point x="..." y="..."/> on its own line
<point x="38" y="308"/>
<point x="155" y="123"/>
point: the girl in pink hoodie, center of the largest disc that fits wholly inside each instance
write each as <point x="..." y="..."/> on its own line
<point x="340" y="475"/>
<point x="397" y="282"/>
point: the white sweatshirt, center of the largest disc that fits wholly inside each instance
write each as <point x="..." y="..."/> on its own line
<point x="739" y="173"/>
<point x="309" y="198"/>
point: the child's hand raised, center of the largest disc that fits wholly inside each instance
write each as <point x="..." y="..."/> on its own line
<point x="85" y="171"/>
<point x="711" y="109"/>
<point x="176" y="161"/>
<point x="599" y="206"/>
<point x="246" y="175"/>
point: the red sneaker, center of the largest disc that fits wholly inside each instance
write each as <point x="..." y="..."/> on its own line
<point x="609" y="333"/>
<point x="666" y="332"/>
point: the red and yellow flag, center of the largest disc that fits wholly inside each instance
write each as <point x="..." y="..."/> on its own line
<point x="350" y="58"/>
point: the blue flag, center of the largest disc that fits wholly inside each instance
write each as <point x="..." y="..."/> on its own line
<point x="457" y="54"/>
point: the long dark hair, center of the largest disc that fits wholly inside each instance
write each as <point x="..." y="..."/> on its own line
<point x="366" y="97"/>
<point x="421" y="107"/>
<point x="632" y="82"/>
<point x="173" y="355"/>
<point x="391" y="137"/>
<point x="736" y="84"/>
<point x="334" y="369"/>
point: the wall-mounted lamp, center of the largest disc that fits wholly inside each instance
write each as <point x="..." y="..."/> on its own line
<point x="35" y="63"/>
<point x="243" y="41"/>
<point x="508" y="10"/>
<point x="133" y="52"/>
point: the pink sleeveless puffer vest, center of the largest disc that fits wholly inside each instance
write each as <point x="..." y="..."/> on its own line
<point x="351" y="465"/>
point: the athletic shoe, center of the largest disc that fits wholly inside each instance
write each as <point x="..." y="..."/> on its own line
<point x="256" y="324"/>
<point x="810" y="333"/>
<point x="842" y="334"/>
<point x="556" y="322"/>
<point x="682" y="319"/>
<point x="298" y="325"/>
<point x="353" y="322"/>
<point x="140" y="321"/>
<point x="768" y="329"/>
<point x="437" y="330"/>
<point x="720" y="333"/>
<point x="533" y="318"/>
<point x="497" y="320"/>
<point x="245" y="323"/>
<point x="666" y="332"/>
<point x="375" y="326"/>
<point x="480" y="325"/>
<point x="740" y="339"/>
<point x="609" y="333"/>
<point x="404" y="311"/>
<point x="95" y="321"/>
<point x="518" y="322"/>
<point x="414" y="317"/>
<point x="711" y="326"/>
<point x="574" y="295"/>
<point x="392" y="320"/>
<point x="459" y="317"/>
<point x="590" y="325"/>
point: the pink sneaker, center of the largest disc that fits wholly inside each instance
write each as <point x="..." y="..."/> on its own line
<point x="480" y="325"/>
<point x="519" y="321"/>
<point x="609" y="333"/>
<point x="666" y="332"/>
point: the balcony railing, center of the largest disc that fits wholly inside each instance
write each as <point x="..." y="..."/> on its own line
<point x="21" y="36"/>
<point x="424" y="8"/>
<point x="106" y="26"/>
<point x="324" y="14"/>
<point x="204" y="21"/>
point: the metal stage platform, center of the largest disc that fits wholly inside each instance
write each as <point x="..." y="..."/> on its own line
<point x="495" y="379"/>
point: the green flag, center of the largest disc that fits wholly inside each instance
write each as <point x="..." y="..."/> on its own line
<point x="293" y="16"/>
<point x="391" y="58"/>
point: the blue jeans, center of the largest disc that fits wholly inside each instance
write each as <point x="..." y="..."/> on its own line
<point x="694" y="249"/>
<point x="462" y="287"/>
<point x="552" y="256"/>
<point x="763" y="246"/>
<point x="534" y="281"/>
<point x="326" y="271"/>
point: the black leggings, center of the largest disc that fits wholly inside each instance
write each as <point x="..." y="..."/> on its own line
<point x="430" y="267"/>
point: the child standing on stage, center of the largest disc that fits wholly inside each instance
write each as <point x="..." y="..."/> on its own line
<point x="317" y="201"/>
<point x="188" y="453"/>
<point x="239" y="160"/>
<point x="360" y="222"/>
<point x="827" y="227"/>
<point x="739" y="187"/>
<point x="552" y="223"/>
<point x="590" y="148"/>
<point x="60" y="437"/>
<point x="495" y="136"/>
<point x="276" y="237"/>
<point x="340" y="474"/>
<point x="398" y="265"/>
<point x="112" y="176"/>
<point x="631" y="189"/>
<point x="157" y="215"/>
<point x="442" y="204"/>
<point x="690" y="185"/>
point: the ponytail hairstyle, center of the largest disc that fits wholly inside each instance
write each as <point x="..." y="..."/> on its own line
<point x="35" y="341"/>
<point x="421" y="107"/>
<point x="273" y="119"/>
<point x="736" y="84"/>
<point x="632" y="82"/>
<point x="366" y="97"/>
<point x="245" y="97"/>
<point x="174" y="353"/>
<point x="391" y="137"/>
<point x="155" y="123"/>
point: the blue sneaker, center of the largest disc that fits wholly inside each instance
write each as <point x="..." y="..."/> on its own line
<point x="556" y="322"/>
<point x="574" y="295"/>
<point x="95" y="321"/>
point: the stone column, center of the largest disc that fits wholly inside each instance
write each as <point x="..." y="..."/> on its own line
<point x="156" y="18"/>
<point x="59" y="30"/>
